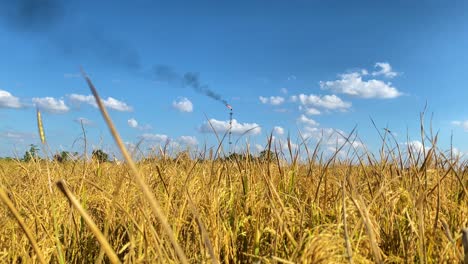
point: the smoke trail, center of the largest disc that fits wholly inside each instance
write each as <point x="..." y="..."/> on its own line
<point x="31" y="15"/>
<point x="190" y="79"/>
<point x="52" y="20"/>
<point x="193" y="80"/>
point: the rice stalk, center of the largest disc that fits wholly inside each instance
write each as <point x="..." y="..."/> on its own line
<point x="19" y="219"/>
<point x="156" y="208"/>
<point x="91" y="224"/>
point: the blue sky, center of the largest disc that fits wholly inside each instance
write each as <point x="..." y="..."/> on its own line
<point x="165" y="68"/>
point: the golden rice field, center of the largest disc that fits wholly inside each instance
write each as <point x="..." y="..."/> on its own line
<point x="400" y="206"/>
<point x="237" y="211"/>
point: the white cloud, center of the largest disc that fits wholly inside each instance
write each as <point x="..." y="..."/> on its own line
<point x="307" y="121"/>
<point x="273" y="100"/>
<point x="284" y="91"/>
<point x="353" y="84"/>
<point x="17" y="136"/>
<point x="385" y="70"/>
<point x="330" y="137"/>
<point x="278" y="130"/>
<point x="183" y="105"/>
<point x="309" y="110"/>
<point x="132" y="123"/>
<point x="456" y="152"/>
<point x="223" y="127"/>
<point x="259" y="147"/>
<point x="462" y="124"/>
<point x="330" y="102"/>
<point x="110" y="102"/>
<point x="7" y="100"/>
<point x="116" y="105"/>
<point x="155" y="137"/>
<point x="312" y="111"/>
<point x="51" y="105"/>
<point x="415" y="146"/>
<point x="188" y="140"/>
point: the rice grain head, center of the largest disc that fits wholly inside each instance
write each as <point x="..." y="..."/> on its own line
<point x="40" y="126"/>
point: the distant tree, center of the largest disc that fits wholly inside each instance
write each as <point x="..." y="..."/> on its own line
<point x="100" y="155"/>
<point x="238" y="156"/>
<point x="63" y="156"/>
<point x="31" y="154"/>
<point x="266" y="155"/>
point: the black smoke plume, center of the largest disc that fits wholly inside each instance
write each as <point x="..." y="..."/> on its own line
<point x="31" y="15"/>
<point x="52" y="20"/>
<point x="165" y="73"/>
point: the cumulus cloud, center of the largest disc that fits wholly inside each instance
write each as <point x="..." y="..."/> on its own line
<point x="51" y="105"/>
<point x="110" y="102"/>
<point x="278" y="130"/>
<point x="188" y="140"/>
<point x="7" y="100"/>
<point x="307" y="121"/>
<point x="462" y="124"/>
<point x="223" y="126"/>
<point x="309" y="110"/>
<point x="385" y="69"/>
<point x="132" y="123"/>
<point x="273" y="100"/>
<point x="353" y="84"/>
<point x="154" y="137"/>
<point x="183" y="105"/>
<point x="329" y="102"/>
<point x="415" y="146"/>
<point x="331" y="138"/>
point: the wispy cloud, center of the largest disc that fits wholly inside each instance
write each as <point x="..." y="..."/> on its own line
<point x="273" y="100"/>
<point x="83" y="120"/>
<point x="17" y="136"/>
<point x="7" y="100"/>
<point x="110" y="102"/>
<point x="51" y="105"/>
<point x="462" y="124"/>
<point x="183" y="105"/>
<point x="385" y="69"/>
<point x="223" y="127"/>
